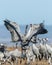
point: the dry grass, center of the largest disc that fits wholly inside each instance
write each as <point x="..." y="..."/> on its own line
<point x="42" y="62"/>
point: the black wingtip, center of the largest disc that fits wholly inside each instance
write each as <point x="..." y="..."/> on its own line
<point x="6" y="20"/>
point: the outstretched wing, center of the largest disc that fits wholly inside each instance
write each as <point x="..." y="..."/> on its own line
<point x="32" y="30"/>
<point x="14" y="30"/>
<point x="35" y="29"/>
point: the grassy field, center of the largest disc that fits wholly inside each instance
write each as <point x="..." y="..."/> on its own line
<point x="42" y="62"/>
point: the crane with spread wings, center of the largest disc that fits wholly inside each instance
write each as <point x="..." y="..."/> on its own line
<point x="29" y="36"/>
